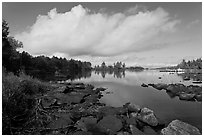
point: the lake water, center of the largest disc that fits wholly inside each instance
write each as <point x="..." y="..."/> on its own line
<point x="126" y="87"/>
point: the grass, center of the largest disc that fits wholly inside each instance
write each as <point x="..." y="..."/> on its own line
<point x="19" y="102"/>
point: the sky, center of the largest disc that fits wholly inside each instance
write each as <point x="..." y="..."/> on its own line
<point x="148" y="34"/>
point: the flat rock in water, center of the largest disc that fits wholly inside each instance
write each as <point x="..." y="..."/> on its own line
<point x="178" y="127"/>
<point x="147" y="116"/>
<point x="135" y="131"/>
<point x="110" y="124"/>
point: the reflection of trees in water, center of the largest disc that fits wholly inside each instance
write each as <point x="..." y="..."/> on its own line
<point x="115" y="73"/>
<point x="71" y="75"/>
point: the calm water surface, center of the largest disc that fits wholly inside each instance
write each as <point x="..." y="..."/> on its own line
<point x="127" y="88"/>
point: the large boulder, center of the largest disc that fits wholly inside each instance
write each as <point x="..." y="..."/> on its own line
<point x="188" y="97"/>
<point x="110" y="124"/>
<point x="147" y="116"/>
<point x="178" y="127"/>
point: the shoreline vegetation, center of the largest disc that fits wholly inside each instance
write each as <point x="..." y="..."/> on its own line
<point x="32" y="106"/>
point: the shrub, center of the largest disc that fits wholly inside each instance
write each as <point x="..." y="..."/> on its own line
<point x="19" y="95"/>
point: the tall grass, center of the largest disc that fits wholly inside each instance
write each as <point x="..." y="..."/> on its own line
<point x="19" y="100"/>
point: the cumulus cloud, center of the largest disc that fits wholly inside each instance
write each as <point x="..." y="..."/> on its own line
<point x="80" y="32"/>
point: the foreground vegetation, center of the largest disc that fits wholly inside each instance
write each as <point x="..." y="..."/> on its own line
<point x="20" y="92"/>
<point x="19" y="102"/>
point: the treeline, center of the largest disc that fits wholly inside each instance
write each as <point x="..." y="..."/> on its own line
<point x="193" y="64"/>
<point x="16" y="62"/>
<point x="115" y="66"/>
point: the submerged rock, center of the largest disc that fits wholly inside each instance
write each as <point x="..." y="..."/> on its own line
<point x="178" y="127"/>
<point x="147" y="116"/>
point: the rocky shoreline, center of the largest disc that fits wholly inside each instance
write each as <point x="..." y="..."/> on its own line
<point x="74" y="109"/>
<point x="187" y="93"/>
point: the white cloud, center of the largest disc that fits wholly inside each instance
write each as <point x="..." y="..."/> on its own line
<point x="80" y="32"/>
<point x="192" y="23"/>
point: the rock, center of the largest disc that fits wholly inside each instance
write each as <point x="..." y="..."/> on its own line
<point x="86" y="123"/>
<point x="178" y="127"/>
<point x="160" y="86"/>
<point x="100" y="89"/>
<point x="144" y="85"/>
<point x="195" y="89"/>
<point x="198" y="97"/>
<point x="70" y="99"/>
<point x="133" y="115"/>
<point x="131" y="121"/>
<point x="135" y="131"/>
<point x="121" y="110"/>
<point x="133" y="108"/>
<point x="149" y="131"/>
<point x="147" y="116"/>
<point x="188" y="97"/>
<point x="60" y="123"/>
<point x="110" y="124"/>
<point x="171" y="88"/>
<point x="92" y="98"/>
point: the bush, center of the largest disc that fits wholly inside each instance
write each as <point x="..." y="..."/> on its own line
<point x="19" y="99"/>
